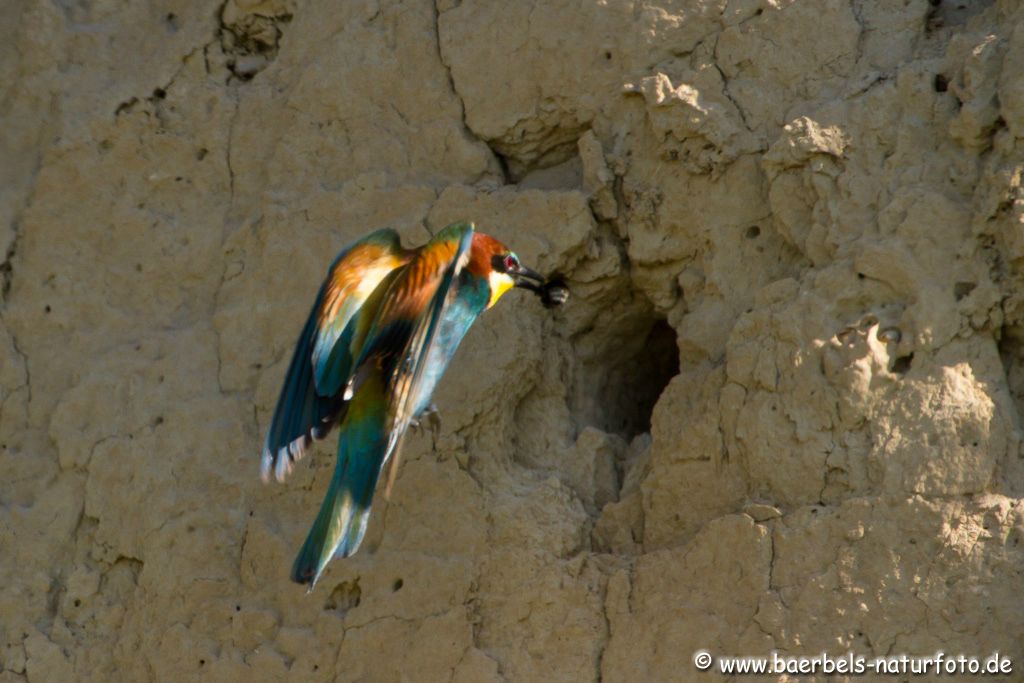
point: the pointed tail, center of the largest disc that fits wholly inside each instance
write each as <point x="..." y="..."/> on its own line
<point x="345" y="512"/>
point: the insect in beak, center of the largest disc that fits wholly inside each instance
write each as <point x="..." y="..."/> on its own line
<point x="552" y="291"/>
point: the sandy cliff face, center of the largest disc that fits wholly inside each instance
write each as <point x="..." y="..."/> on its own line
<point x="782" y="410"/>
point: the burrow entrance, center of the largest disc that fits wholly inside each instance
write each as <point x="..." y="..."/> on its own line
<point x="623" y="369"/>
<point x="634" y="386"/>
<point x="610" y="376"/>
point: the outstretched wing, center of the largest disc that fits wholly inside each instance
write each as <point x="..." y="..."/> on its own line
<point x="311" y="399"/>
<point x="384" y="388"/>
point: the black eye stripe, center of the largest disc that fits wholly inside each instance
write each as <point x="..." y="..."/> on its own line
<point x="504" y="263"/>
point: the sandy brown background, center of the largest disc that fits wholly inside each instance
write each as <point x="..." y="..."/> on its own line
<point x="781" y="411"/>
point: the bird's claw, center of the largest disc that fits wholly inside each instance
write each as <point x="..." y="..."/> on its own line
<point x="432" y="417"/>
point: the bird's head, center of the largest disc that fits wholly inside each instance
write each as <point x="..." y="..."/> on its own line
<point x="492" y="260"/>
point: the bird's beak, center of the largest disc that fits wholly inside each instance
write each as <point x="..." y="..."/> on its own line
<point x="528" y="279"/>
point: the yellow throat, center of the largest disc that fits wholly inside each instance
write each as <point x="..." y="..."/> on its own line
<point x="500" y="283"/>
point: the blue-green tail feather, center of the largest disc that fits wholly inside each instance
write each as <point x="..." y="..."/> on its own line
<point x="341" y="523"/>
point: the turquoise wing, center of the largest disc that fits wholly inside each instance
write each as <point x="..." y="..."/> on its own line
<point x="311" y="399"/>
<point x="405" y="327"/>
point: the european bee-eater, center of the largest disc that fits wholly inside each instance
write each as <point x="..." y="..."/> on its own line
<point x="382" y="331"/>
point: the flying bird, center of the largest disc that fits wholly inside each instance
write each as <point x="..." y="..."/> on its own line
<point x="385" y="324"/>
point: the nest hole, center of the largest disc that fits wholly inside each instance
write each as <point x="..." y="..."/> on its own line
<point x="634" y="384"/>
<point x="615" y="371"/>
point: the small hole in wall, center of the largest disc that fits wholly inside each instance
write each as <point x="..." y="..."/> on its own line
<point x="901" y="365"/>
<point x="753" y="232"/>
<point x="962" y="290"/>
<point x="608" y="56"/>
<point x="941" y="83"/>
<point x="397" y="585"/>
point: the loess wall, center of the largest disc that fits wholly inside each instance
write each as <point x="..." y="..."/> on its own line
<point x="782" y="409"/>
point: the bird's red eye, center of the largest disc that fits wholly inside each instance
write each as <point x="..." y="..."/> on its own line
<point x="511" y="262"/>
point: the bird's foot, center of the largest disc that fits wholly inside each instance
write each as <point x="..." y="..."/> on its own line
<point x="431" y="418"/>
